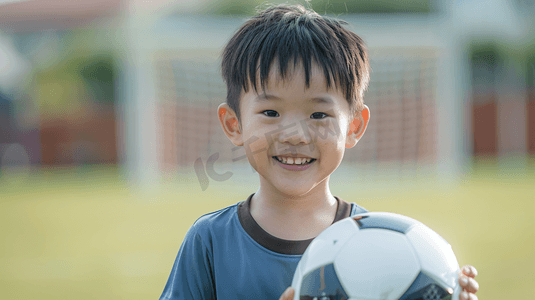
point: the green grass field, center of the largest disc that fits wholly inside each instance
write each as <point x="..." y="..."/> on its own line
<point x="85" y="235"/>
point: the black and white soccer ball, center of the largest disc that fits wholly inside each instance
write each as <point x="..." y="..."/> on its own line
<point x="377" y="256"/>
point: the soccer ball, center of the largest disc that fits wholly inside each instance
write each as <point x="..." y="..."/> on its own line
<point x="377" y="256"/>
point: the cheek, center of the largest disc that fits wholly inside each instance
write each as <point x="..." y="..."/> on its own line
<point x="256" y="145"/>
<point x="330" y="131"/>
<point x="332" y="147"/>
<point x="331" y="140"/>
<point x="259" y="147"/>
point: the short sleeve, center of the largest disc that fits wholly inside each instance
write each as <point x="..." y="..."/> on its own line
<point x="191" y="276"/>
<point x="356" y="209"/>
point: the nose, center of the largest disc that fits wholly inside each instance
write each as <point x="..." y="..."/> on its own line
<point x="295" y="133"/>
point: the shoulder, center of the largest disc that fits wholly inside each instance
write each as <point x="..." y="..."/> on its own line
<point x="216" y="219"/>
<point x="209" y="230"/>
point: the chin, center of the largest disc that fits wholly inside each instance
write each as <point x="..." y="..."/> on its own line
<point x="294" y="189"/>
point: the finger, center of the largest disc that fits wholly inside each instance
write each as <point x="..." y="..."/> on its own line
<point x="464" y="295"/>
<point x="468" y="284"/>
<point x="469" y="271"/>
<point x="473" y="286"/>
<point x="288" y="294"/>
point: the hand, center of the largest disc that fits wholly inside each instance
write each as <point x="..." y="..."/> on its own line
<point x="288" y="294"/>
<point x="467" y="282"/>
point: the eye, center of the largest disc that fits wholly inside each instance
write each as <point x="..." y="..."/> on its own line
<point x="270" y="113"/>
<point x="318" y="115"/>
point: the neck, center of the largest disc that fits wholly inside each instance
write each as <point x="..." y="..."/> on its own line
<point x="294" y="217"/>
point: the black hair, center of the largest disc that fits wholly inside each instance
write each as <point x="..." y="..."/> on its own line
<point x="291" y="33"/>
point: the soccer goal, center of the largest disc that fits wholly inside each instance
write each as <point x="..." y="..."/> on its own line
<point x="415" y="96"/>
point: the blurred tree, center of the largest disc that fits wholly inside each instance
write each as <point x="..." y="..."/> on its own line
<point x="337" y="7"/>
<point x="6" y="119"/>
<point x="371" y="6"/>
<point x="75" y="84"/>
<point x="98" y="73"/>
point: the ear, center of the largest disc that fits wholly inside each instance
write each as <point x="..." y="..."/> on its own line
<point x="357" y="127"/>
<point x="230" y="124"/>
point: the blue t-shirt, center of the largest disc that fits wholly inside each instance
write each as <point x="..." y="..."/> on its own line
<point x="226" y="255"/>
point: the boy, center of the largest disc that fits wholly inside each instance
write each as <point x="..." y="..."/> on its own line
<point x="295" y="102"/>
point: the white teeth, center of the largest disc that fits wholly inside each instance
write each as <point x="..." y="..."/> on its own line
<point x="294" y="161"/>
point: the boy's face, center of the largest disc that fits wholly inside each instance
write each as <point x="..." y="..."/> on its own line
<point x="295" y="136"/>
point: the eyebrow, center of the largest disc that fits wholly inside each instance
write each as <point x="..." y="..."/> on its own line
<point x="266" y="97"/>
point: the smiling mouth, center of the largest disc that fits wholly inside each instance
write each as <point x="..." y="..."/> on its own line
<point x="294" y="161"/>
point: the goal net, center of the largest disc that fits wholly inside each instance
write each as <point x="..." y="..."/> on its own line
<point x="402" y="97"/>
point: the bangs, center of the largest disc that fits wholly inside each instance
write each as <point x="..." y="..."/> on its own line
<point x="292" y="42"/>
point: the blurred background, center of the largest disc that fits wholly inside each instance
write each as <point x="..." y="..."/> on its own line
<point x="110" y="147"/>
